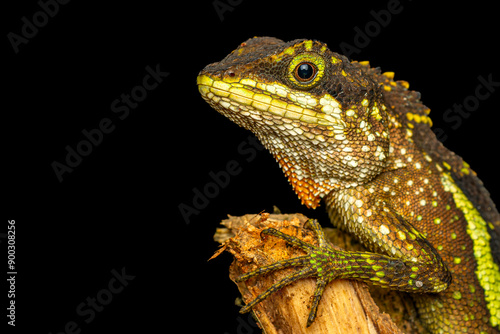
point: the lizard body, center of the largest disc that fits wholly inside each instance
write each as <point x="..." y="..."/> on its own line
<point x="346" y="133"/>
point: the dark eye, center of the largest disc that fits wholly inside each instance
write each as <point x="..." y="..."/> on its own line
<point x="305" y="72"/>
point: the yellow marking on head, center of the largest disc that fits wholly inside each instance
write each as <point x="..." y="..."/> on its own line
<point x="248" y="82"/>
<point x="405" y="84"/>
<point x="389" y="75"/>
<point x="204" y="80"/>
<point x="308" y="45"/>
<point x="263" y="98"/>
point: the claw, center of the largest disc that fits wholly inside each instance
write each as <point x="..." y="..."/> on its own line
<point x="316" y="227"/>
<point x="288" y="238"/>
<point x="306" y="272"/>
<point x="318" y="292"/>
<point x="296" y="261"/>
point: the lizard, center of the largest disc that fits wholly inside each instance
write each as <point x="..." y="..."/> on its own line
<point x="352" y="137"/>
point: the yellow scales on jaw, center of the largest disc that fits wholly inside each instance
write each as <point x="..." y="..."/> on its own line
<point x="343" y="132"/>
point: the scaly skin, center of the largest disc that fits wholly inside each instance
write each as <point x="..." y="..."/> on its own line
<point x="345" y="133"/>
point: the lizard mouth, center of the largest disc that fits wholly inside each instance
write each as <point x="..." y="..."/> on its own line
<point x="257" y="100"/>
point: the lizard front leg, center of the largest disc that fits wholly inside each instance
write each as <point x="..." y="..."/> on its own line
<point x="406" y="261"/>
<point x="383" y="230"/>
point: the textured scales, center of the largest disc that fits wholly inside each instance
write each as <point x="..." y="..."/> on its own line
<point x="349" y="135"/>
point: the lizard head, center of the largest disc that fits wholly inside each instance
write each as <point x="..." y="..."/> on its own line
<point x="320" y="115"/>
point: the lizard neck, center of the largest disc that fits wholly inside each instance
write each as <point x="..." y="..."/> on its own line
<point x="320" y="161"/>
<point x="312" y="167"/>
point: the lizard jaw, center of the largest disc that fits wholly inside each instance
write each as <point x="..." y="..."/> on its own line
<point x="248" y="97"/>
<point x="260" y="108"/>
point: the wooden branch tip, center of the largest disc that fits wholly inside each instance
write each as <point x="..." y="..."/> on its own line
<point x="346" y="306"/>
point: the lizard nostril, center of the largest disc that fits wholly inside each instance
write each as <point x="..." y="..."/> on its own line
<point x="231" y="73"/>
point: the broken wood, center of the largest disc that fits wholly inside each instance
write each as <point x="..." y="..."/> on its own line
<point x="346" y="305"/>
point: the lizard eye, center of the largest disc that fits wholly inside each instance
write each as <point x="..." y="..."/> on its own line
<point x="305" y="72"/>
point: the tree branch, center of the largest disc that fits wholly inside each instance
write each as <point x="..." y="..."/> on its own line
<point x="346" y="305"/>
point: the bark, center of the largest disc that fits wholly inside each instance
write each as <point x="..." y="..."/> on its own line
<point x="346" y="305"/>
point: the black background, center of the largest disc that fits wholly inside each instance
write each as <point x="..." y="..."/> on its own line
<point x="119" y="208"/>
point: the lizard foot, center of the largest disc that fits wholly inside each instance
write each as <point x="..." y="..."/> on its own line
<point x="320" y="262"/>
